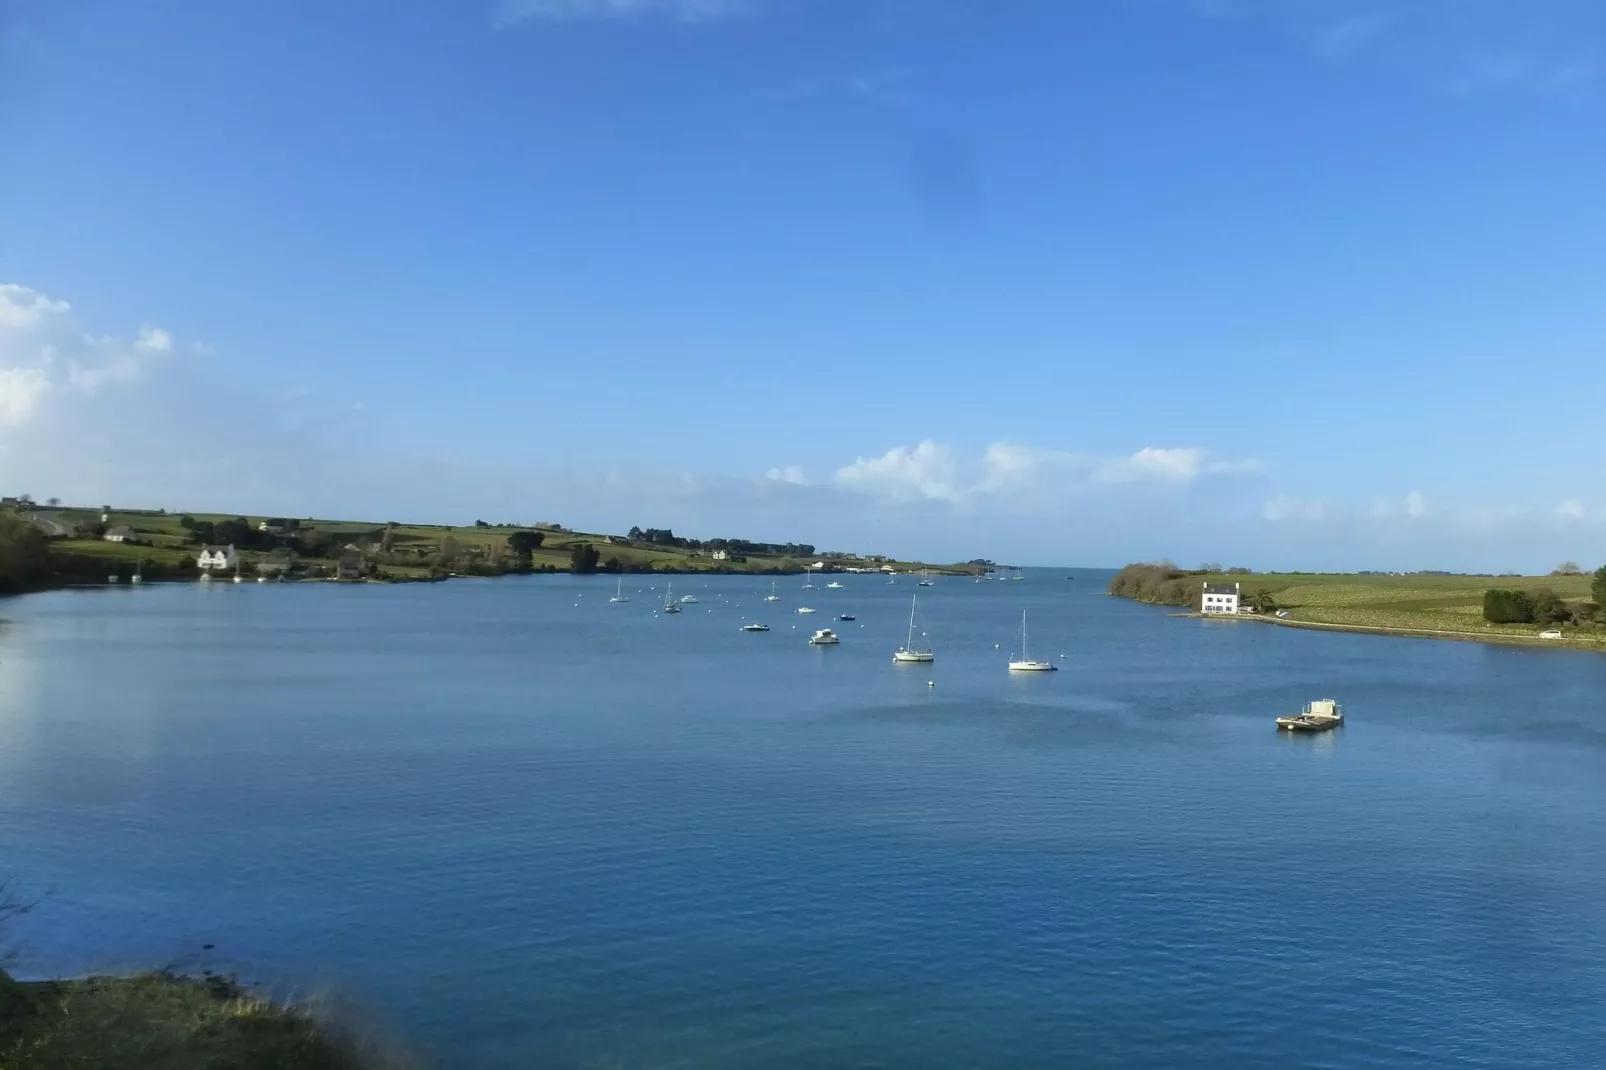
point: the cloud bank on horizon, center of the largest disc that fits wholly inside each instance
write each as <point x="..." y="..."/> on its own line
<point x="133" y="419"/>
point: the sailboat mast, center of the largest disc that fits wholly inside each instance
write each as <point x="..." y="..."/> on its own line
<point x="909" y="643"/>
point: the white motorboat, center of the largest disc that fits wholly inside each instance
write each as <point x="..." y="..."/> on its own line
<point x="1318" y="716"/>
<point x="688" y="600"/>
<point x="908" y="652"/>
<point x="755" y="627"/>
<point x="1026" y="664"/>
<point x="824" y="637"/>
<point x="804" y="609"/>
<point x="833" y="586"/>
<point x="619" y="592"/>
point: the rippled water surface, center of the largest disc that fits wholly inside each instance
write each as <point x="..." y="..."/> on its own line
<point x="521" y="826"/>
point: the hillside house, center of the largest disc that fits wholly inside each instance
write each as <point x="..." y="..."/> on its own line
<point x="1220" y="598"/>
<point x="722" y="555"/>
<point x="120" y="533"/>
<point x="217" y="558"/>
<point x="349" y="567"/>
<point x="276" y="563"/>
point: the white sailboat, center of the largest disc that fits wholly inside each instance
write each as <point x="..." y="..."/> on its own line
<point x="925" y="579"/>
<point x="773" y="597"/>
<point x="619" y="592"/>
<point x="1026" y="664"/>
<point x="808" y="580"/>
<point x="908" y="652"/>
<point x="670" y="605"/>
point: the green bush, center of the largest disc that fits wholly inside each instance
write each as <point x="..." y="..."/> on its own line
<point x="1504" y="606"/>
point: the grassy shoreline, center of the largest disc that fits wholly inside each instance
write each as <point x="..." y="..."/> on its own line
<point x="1412" y="605"/>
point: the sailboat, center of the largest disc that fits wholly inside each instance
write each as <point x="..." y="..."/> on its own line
<point x="925" y="579"/>
<point x="670" y="605"/>
<point x="908" y="651"/>
<point x="619" y="592"/>
<point x="1026" y="664"/>
<point x="808" y="576"/>
<point x="773" y="597"/>
<point x="139" y="573"/>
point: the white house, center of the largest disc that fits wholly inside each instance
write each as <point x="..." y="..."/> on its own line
<point x="1219" y="598"/>
<point x="121" y="533"/>
<point x="217" y="558"/>
<point x="722" y="555"/>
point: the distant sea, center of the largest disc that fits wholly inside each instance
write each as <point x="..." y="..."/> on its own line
<point x="515" y="825"/>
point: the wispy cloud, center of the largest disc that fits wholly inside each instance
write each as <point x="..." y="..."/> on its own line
<point x="932" y="471"/>
<point x="1283" y="508"/>
<point x="513" y="12"/>
<point x="791" y="473"/>
<point x="1553" y="48"/>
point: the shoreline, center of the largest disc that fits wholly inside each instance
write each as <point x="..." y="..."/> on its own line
<point x="1594" y="645"/>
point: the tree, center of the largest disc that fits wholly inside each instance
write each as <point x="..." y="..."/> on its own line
<point x="1546" y="607"/>
<point x="1567" y="568"/>
<point x="24" y="557"/>
<point x="52" y="502"/>
<point x="583" y="558"/>
<point x="187" y="523"/>
<point x="1597" y="588"/>
<point x="1504" y="606"/>
<point x="521" y="544"/>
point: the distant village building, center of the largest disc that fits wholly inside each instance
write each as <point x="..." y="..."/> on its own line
<point x="276" y="563"/>
<point x="120" y="533"/>
<point x="217" y="558"/>
<point x="274" y="526"/>
<point x="722" y="555"/>
<point x="349" y="567"/>
<point x="1220" y="598"/>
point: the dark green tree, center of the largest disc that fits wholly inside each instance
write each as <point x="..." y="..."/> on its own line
<point x="1597" y="588"/>
<point x="1504" y="606"/>
<point x="524" y="543"/>
<point x="583" y="558"/>
<point x="1546" y="606"/>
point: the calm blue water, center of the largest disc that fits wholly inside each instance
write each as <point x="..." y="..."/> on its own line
<point x="524" y="827"/>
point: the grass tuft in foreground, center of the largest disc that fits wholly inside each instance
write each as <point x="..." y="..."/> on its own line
<point x="160" y="1020"/>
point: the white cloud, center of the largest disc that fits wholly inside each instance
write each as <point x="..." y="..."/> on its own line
<point x="20" y="391"/>
<point x="1571" y="509"/>
<point x="41" y="349"/>
<point x="791" y="473"/>
<point x="1181" y="465"/>
<point x="511" y="12"/>
<point x="22" y="308"/>
<point x="1284" y="508"/>
<point x="1416" y="506"/>
<point x="925" y="473"/>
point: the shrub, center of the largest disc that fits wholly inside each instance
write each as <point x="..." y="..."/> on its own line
<point x="1504" y="606"/>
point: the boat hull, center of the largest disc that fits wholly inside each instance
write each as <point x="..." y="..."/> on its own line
<point x="910" y="657"/>
<point x="1032" y="666"/>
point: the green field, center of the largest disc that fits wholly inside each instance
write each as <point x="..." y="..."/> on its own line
<point x="416" y="549"/>
<point x="1444" y="604"/>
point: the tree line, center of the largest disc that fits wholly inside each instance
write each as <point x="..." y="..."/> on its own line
<point x="1543" y="606"/>
<point x="667" y="537"/>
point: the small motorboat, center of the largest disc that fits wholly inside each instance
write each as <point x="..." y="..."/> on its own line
<point x="1319" y="716"/>
<point x="804" y="609"/>
<point x="833" y="586"/>
<point x="755" y="627"/>
<point x="688" y="600"/>
<point x="824" y="637"/>
<point x="847" y="616"/>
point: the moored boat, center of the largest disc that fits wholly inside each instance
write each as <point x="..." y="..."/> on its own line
<point x="1318" y="716"/>
<point x="824" y="637"/>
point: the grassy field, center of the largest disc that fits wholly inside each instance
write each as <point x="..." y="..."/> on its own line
<point x="163" y="539"/>
<point x="1410" y="603"/>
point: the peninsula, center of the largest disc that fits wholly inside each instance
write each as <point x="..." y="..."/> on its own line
<point x="52" y="545"/>
<point x="1565" y="608"/>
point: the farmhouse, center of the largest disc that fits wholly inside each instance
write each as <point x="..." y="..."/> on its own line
<point x="217" y="558"/>
<point x="120" y="533"/>
<point x="1220" y="598"/>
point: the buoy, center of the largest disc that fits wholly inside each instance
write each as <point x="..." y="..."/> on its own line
<point x="931" y="683"/>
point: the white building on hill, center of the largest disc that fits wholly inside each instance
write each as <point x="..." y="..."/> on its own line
<point x="1219" y="598"/>
<point x="217" y="558"/>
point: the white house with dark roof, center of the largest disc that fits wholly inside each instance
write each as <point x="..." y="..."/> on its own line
<point x="217" y="558"/>
<point x="120" y="533"/>
<point x="1220" y="598"/>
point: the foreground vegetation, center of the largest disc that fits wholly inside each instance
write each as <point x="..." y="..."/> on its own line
<point x="161" y="1020"/>
<point x="1442" y="604"/>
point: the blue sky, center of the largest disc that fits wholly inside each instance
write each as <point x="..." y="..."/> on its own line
<point x="1299" y="283"/>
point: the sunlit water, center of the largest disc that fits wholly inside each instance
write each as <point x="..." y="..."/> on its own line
<point x="521" y="826"/>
